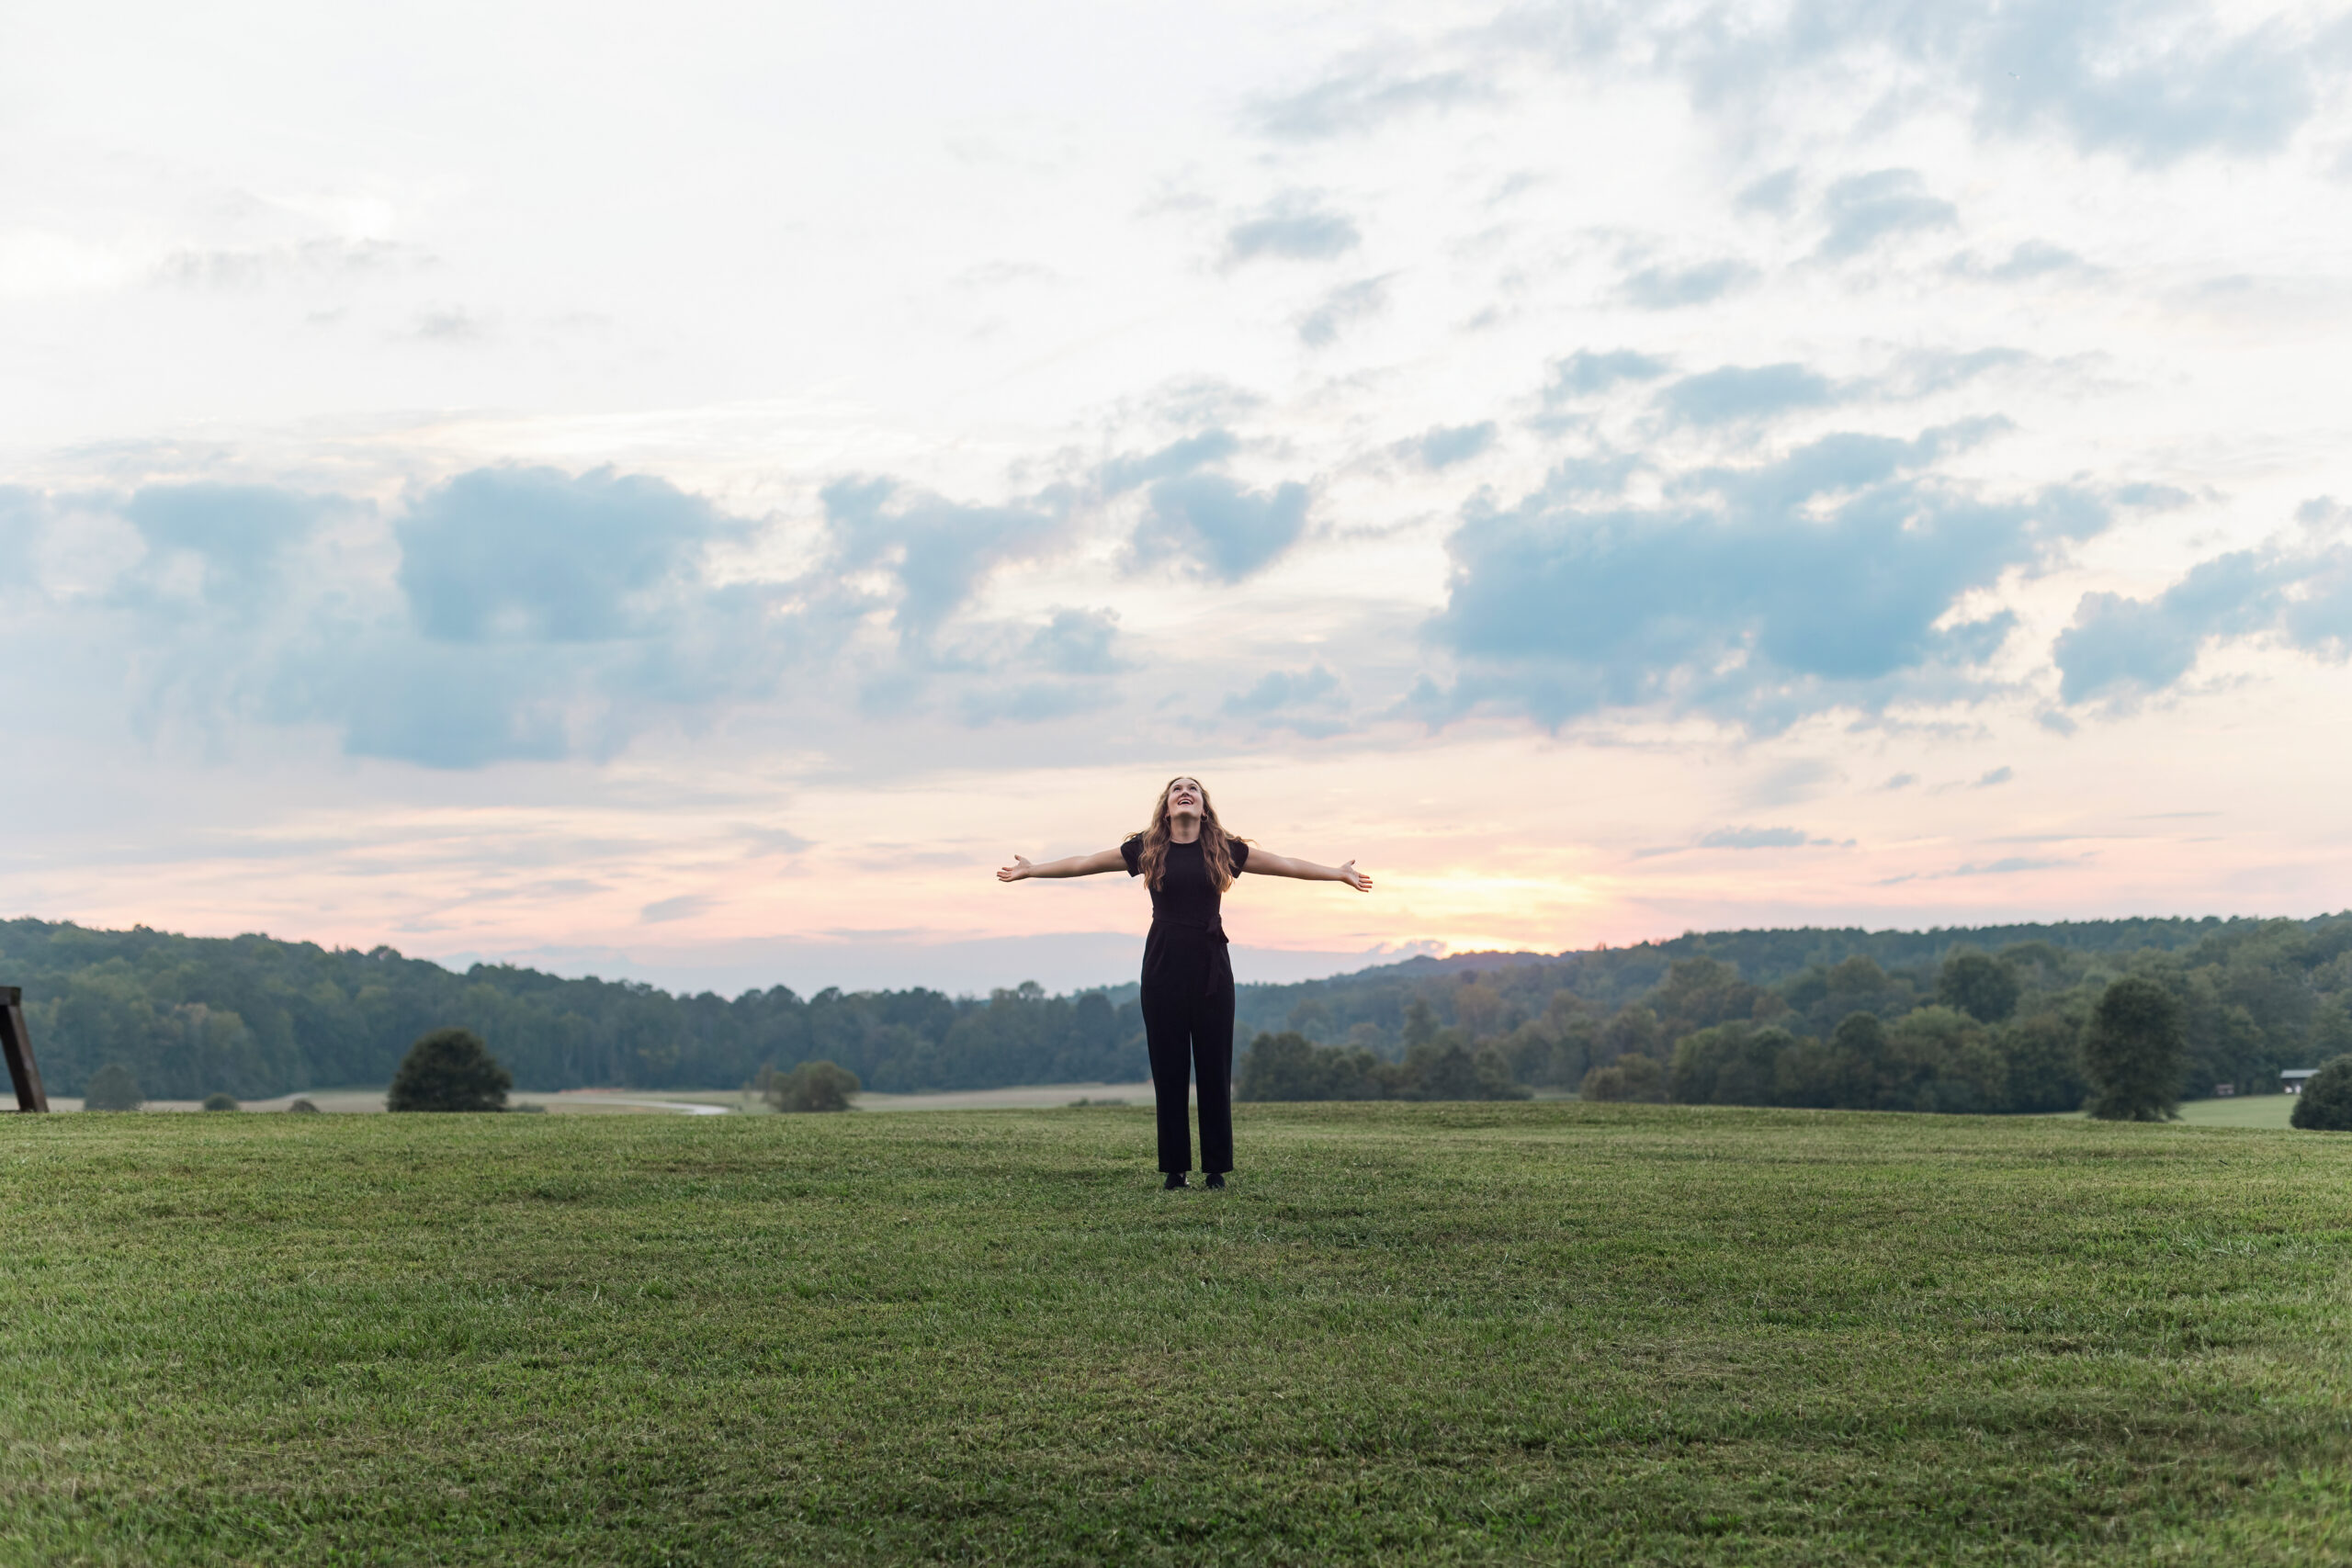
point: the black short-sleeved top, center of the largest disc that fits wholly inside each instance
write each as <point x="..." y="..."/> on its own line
<point x="1185" y="896"/>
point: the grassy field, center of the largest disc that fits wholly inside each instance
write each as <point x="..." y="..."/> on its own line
<point x="2245" y="1110"/>
<point x="1514" y="1333"/>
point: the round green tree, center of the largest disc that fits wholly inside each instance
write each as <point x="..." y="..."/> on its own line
<point x="222" y="1101"/>
<point x="449" y="1069"/>
<point x="111" y="1087"/>
<point x="2132" y="1050"/>
<point x="2326" y="1104"/>
<point x="1985" y="988"/>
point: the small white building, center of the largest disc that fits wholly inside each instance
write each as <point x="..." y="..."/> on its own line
<point x="2292" y="1080"/>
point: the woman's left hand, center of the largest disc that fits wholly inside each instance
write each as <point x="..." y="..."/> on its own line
<point x="1354" y="878"/>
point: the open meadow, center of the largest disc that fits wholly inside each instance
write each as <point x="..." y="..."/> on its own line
<point x="1410" y="1333"/>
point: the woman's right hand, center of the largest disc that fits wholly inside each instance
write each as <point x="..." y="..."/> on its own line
<point x="1016" y="871"/>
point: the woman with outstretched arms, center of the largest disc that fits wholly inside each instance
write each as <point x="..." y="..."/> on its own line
<point x="1188" y="859"/>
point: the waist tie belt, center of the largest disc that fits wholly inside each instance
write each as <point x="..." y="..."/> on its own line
<point x="1213" y="930"/>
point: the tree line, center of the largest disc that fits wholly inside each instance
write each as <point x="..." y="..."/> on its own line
<point x="1989" y="1019"/>
<point x="255" y="1017"/>
<point x="1963" y="1029"/>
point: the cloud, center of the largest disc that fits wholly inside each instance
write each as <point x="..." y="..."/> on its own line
<point x="1900" y="781"/>
<point x="2008" y="865"/>
<point x="1209" y="446"/>
<point x="1077" y="642"/>
<point x="1790" y="781"/>
<point x="685" y="907"/>
<point x="1733" y="396"/>
<point x="2026" y="259"/>
<point x="760" y="842"/>
<point x="1320" y="327"/>
<point x="2151" y="81"/>
<point x="1776" y="193"/>
<point x="2323" y="514"/>
<point x="538" y="555"/>
<point x="334" y="259"/>
<point x="1033" y="702"/>
<point x="1668" y="289"/>
<point x="2294" y="593"/>
<point x="1739" y="394"/>
<point x="1295" y="227"/>
<point x="436" y="706"/>
<point x="1202" y="401"/>
<point x="1362" y="100"/>
<point x="528" y="614"/>
<point x="2121" y="649"/>
<point x="1863" y="209"/>
<point x="1586" y="374"/>
<point x="1308" y="701"/>
<point x="1758" y="839"/>
<point x="1830" y="577"/>
<point x="542" y="614"/>
<point x="1443" y="445"/>
<point x="238" y="537"/>
<point x="1923" y="374"/>
<point x="1995" y="778"/>
<point x="447" y="326"/>
<point x="24" y="517"/>
<point x="1218" y="529"/>
<point x="1283" y="688"/>
<point x="938" y="550"/>
<point x="2155" y="83"/>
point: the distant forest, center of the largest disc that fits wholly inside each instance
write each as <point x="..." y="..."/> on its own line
<point x="1963" y="1019"/>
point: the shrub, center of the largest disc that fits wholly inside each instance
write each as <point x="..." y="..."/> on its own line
<point x="1627" y="1078"/>
<point x="111" y="1087"/>
<point x="449" y="1069"/>
<point x="2326" y="1104"/>
<point x="221" y="1101"/>
<point x="2132" y="1052"/>
<point x="811" y="1086"/>
<point x="304" y="1108"/>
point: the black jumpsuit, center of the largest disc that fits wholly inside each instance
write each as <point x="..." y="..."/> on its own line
<point x="1188" y="1004"/>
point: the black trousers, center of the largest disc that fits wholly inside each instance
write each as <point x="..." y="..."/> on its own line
<point x="1188" y="1029"/>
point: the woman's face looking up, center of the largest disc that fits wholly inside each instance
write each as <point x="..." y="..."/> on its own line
<point x="1184" y="797"/>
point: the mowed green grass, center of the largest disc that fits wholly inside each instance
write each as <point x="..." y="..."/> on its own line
<point x="1550" y="1333"/>
<point x="2244" y="1111"/>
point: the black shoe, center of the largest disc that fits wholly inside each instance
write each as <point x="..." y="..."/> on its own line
<point x="1175" y="1182"/>
<point x="1217" y="1181"/>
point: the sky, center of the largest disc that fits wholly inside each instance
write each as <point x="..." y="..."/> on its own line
<point x="684" y="492"/>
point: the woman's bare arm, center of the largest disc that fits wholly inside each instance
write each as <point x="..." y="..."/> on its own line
<point x="1266" y="863"/>
<point x="1069" y="865"/>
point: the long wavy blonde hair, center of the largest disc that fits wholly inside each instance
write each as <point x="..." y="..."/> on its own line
<point x="1217" y="844"/>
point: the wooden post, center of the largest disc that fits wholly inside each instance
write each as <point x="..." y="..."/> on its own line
<point x="17" y="1043"/>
